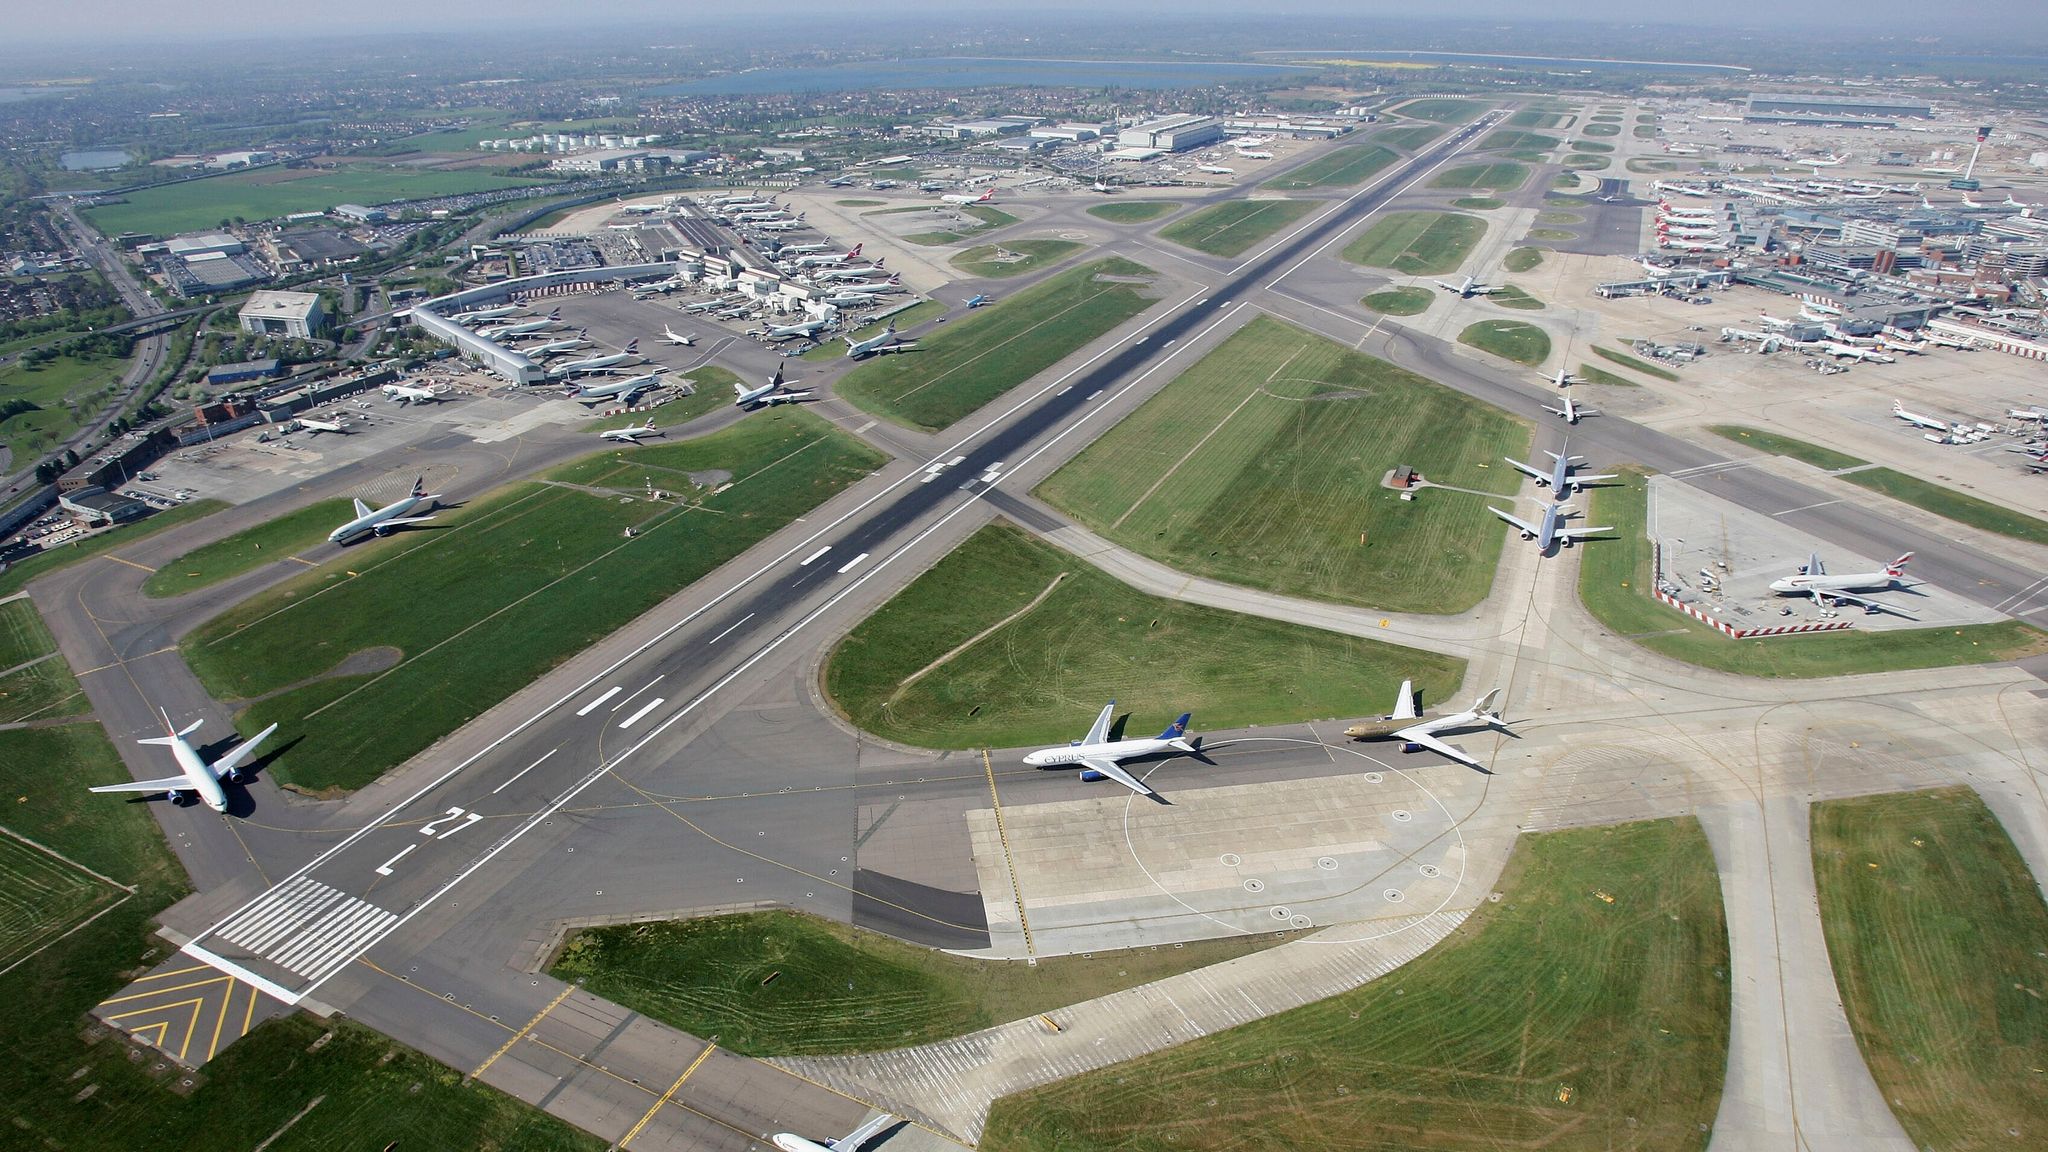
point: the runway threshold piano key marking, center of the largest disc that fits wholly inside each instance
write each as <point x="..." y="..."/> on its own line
<point x="307" y="928"/>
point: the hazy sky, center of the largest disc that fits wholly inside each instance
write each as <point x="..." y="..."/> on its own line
<point x="2017" y="22"/>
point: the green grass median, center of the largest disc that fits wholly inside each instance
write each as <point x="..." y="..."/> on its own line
<point x="1229" y="228"/>
<point x="1417" y="243"/>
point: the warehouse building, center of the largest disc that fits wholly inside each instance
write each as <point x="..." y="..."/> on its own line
<point x="1171" y="133"/>
<point x="283" y="314"/>
<point x="612" y="160"/>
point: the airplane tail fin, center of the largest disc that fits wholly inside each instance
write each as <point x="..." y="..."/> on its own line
<point x="856" y="249"/>
<point x="1488" y="708"/>
<point x="555" y="315"/>
<point x="1897" y="567"/>
<point x="1178" y="729"/>
<point x="633" y="347"/>
<point x="419" y="486"/>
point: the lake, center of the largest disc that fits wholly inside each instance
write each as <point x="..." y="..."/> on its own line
<point x="93" y="160"/>
<point x="977" y="72"/>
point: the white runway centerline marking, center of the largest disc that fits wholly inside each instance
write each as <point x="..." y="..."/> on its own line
<point x="644" y="709"/>
<point x="593" y="706"/>
<point x="849" y="565"/>
<point x="813" y="556"/>
<point x="384" y="869"/>
<point x="523" y="771"/>
<point x="734" y="624"/>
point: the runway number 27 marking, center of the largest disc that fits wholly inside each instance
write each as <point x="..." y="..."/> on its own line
<point x="467" y="818"/>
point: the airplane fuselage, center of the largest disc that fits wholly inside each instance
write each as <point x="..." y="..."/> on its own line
<point x="364" y="525"/>
<point x="1112" y="750"/>
<point x="204" y="783"/>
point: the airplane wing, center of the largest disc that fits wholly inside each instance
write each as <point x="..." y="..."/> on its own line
<point x="1548" y="408"/>
<point x="1579" y="481"/>
<point x="1099" y="731"/>
<point x="861" y="1135"/>
<point x="167" y="784"/>
<point x="381" y="524"/>
<point x="362" y="509"/>
<point x="1420" y="735"/>
<point x="1564" y="533"/>
<point x="1517" y="521"/>
<point x="1526" y="470"/>
<point x="233" y="760"/>
<point x="1111" y="769"/>
<point x="788" y="397"/>
<point x="1865" y="601"/>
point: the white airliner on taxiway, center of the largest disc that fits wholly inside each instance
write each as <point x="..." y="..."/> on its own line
<point x="380" y="521"/>
<point x="1813" y="580"/>
<point x="315" y="427"/>
<point x="407" y="394"/>
<point x="198" y="778"/>
<point x="669" y="334"/>
<point x="1098" y="755"/>
<point x="1552" y="529"/>
<point x="633" y="434"/>
<point x="1561" y="481"/>
<point x="768" y="394"/>
<point x="1468" y="287"/>
<point x="1573" y="411"/>
<point x="850" y="1142"/>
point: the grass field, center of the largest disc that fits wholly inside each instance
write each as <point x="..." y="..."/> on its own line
<point x="1584" y="162"/>
<point x="1018" y="680"/>
<point x="1591" y="146"/>
<point x="1345" y="166"/>
<point x="1509" y="339"/>
<point x="1417" y="243"/>
<point x="1615" y="582"/>
<point x="1908" y="489"/>
<point x="1229" y="228"/>
<point x="1550" y="234"/>
<point x="1510" y="140"/>
<point x="1493" y="177"/>
<point x="1442" y="110"/>
<point x="1937" y="934"/>
<point x="44" y="688"/>
<point x="1559" y="218"/>
<point x="1132" y="211"/>
<point x="272" y="540"/>
<point x="990" y="218"/>
<point x="1630" y="362"/>
<point x="1536" y="118"/>
<point x="492" y="600"/>
<point x="993" y="260"/>
<point x="1275" y="445"/>
<point x="1400" y="301"/>
<point x="1593" y="375"/>
<point x="1408" y="137"/>
<point x="836" y="989"/>
<point x="1644" y="131"/>
<point x="984" y="355"/>
<point x="1649" y="165"/>
<point x="23" y="571"/>
<point x="1512" y="297"/>
<point x="1478" y="203"/>
<point x="1587" y="1010"/>
<point x="59" y="1090"/>
<point x="1601" y="130"/>
<point x="860" y="203"/>
<point x="62" y="390"/>
<point x="910" y="317"/>
<point x="265" y="194"/>
<point x="1522" y="259"/>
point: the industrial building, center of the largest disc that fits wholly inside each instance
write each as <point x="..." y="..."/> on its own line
<point x="360" y="214"/>
<point x="1171" y="133"/>
<point x="612" y="160"/>
<point x="283" y="314"/>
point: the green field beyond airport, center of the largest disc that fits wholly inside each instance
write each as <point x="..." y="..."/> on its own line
<point x="787" y="984"/>
<point x="1939" y="941"/>
<point x="35" y="682"/>
<point x="268" y="193"/>
<point x="1262" y="465"/>
<point x="1345" y="166"/>
<point x="979" y="652"/>
<point x="511" y="585"/>
<point x="998" y="347"/>
<point x="1227" y="229"/>
<point x="1585" y="1011"/>
<point x="1615" y="582"/>
<point x="1417" y="243"/>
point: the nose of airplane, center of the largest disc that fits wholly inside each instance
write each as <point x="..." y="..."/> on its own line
<point x="1035" y="759"/>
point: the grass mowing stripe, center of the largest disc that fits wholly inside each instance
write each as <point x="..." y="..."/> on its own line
<point x="1417" y="243"/>
<point x="459" y="650"/>
<point x="1019" y="683"/>
<point x="1133" y="211"/>
<point x="1587" y="1009"/>
<point x="251" y="548"/>
<point x="1903" y="487"/>
<point x="997" y="347"/>
<point x="1340" y="166"/>
<point x="1509" y="339"/>
<point x="1936" y="931"/>
<point x="1291" y="499"/>
<point x="1614" y="584"/>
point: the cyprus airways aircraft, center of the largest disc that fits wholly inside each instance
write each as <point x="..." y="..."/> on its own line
<point x="1098" y="755"/>
<point x="199" y="778"/>
<point x="380" y="521"/>
<point x="850" y="1142"/>
<point x="1408" y="725"/>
